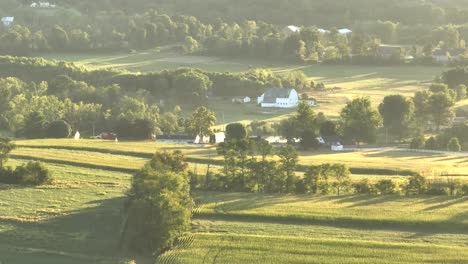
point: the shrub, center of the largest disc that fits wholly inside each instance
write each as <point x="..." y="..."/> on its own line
<point x="416" y="185"/>
<point x="236" y="131"/>
<point x="418" y="142"/>
<point x="464" y="189"/>
<point x="385" y="187"/>
<point x="454" y="145"/>
<point x="33" y="173"/>
<point x="59" y="129"/>
<point x="364" y="187"/>
<point x="432" y="144"/>
<point x="159" y="206"/>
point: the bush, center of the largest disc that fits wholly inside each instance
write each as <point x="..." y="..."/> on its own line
<point x="59" y="129"/>
<point x="364" y="187"/>
<point x="432" y="144"/>
<point x="33" y="173"/>
<point x="385" y="187"/>
<point x="464" y="189"/>
<point x="159" y="205"/>
<point x="236" y="131"/>
<point x="418" y="142"/>
<point x="416" y="185"/>
<point x="454" y="145"/>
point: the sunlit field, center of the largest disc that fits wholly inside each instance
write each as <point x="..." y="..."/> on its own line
<point x="349" y="81"/>
<point x="78" y="218"/>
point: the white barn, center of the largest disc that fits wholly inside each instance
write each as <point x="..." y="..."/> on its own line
<point x="279" y="98"/>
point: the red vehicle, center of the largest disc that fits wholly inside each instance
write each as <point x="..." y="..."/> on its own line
<point x="107" y="136"/>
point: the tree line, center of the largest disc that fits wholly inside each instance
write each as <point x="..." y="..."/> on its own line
<point x="396" y="118"/>
<point x="254" y="165"/>
<point x="118" y="31"/>
<point x="134" y="105"/>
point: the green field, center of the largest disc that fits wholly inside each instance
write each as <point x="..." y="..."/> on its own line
<point x="78" y="218"/>
<point x="350" y="80"/>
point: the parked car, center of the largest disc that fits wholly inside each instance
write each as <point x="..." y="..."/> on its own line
<point x="106" y="135"/>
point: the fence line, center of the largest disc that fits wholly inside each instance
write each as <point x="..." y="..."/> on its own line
<point x="463" y="154"/>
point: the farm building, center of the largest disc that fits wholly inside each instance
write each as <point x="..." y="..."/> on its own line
<point x="345" y="31"/>
<point x="279" y="98"/>
<point x="445" y="56"/>
<point x="311" y="102"/>
<point x="241" y="100"/>
<point x="7" y="21"/>
<point x="177" y="138"/>
<point x="291" y="29"/>
<point x="217" y="137"/>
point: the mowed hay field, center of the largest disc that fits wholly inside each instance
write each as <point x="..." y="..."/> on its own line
<point x="78" y="218"/>
<point x="349" y="81"/>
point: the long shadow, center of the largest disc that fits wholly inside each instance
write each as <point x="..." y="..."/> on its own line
<point x="89" y="235"/>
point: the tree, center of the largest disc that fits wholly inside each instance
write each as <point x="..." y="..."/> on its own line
<point x="35" y="125"/>
<point x="416" y="185"/>
<point x="441" y="109"/>
<point x="201" y="121"/>
<point x="454" y="145"/>
<point x="191" y="45"/>
<point x="418" y="142"/>
<point x="288" y="160"/>
<point x="386" y="187"/>
<point x="432" y="144"/>
<point x="397" y="113"/>
<point x="359" y="121"/>
<point x="58" y="129"/>
<point x="159" y="206"/>
<point x="307" y="125"/>
<point x="236" y="131"/>
<point x="6" y="146"/>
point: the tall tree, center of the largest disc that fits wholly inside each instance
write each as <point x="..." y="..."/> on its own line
<point x="360" y="121"/>
<point x="397" y="113"/>
<point x="201" y="121"/>
<point x="159" y="206"/>
<point x="287" y="178"/>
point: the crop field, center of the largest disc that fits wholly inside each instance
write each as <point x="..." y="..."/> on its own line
<point x="78" y="218"/>
<point x="349" y="81"/>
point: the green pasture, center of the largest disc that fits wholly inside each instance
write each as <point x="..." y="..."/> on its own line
<point x="132" y="154"/>
<point x="78" y="218"/>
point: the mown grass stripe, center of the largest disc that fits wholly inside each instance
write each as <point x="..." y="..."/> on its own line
<point x="345" y="222"/>
<point x="74" y="163"/>
<point x="300" y="168"/>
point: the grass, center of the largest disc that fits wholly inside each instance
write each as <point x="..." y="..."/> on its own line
<point x="234" y="248"/>
<point x="78" y="218"/>
<point x="131" y="155"/>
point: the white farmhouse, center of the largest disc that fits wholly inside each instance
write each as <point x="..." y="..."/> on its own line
<point x="7" y="21"/>
<point x="279" y="98"/>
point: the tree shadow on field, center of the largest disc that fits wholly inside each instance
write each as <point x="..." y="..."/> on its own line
<point x="367" y="200"/>
<point x="89" y="235"/>
<point x="402" y="154"/>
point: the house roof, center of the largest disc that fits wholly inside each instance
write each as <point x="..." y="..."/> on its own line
<point x="8" y="19"/>
<point x="294" y="28"/>
<point x="272" y="94"/>
<point x="345" y="31"/>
